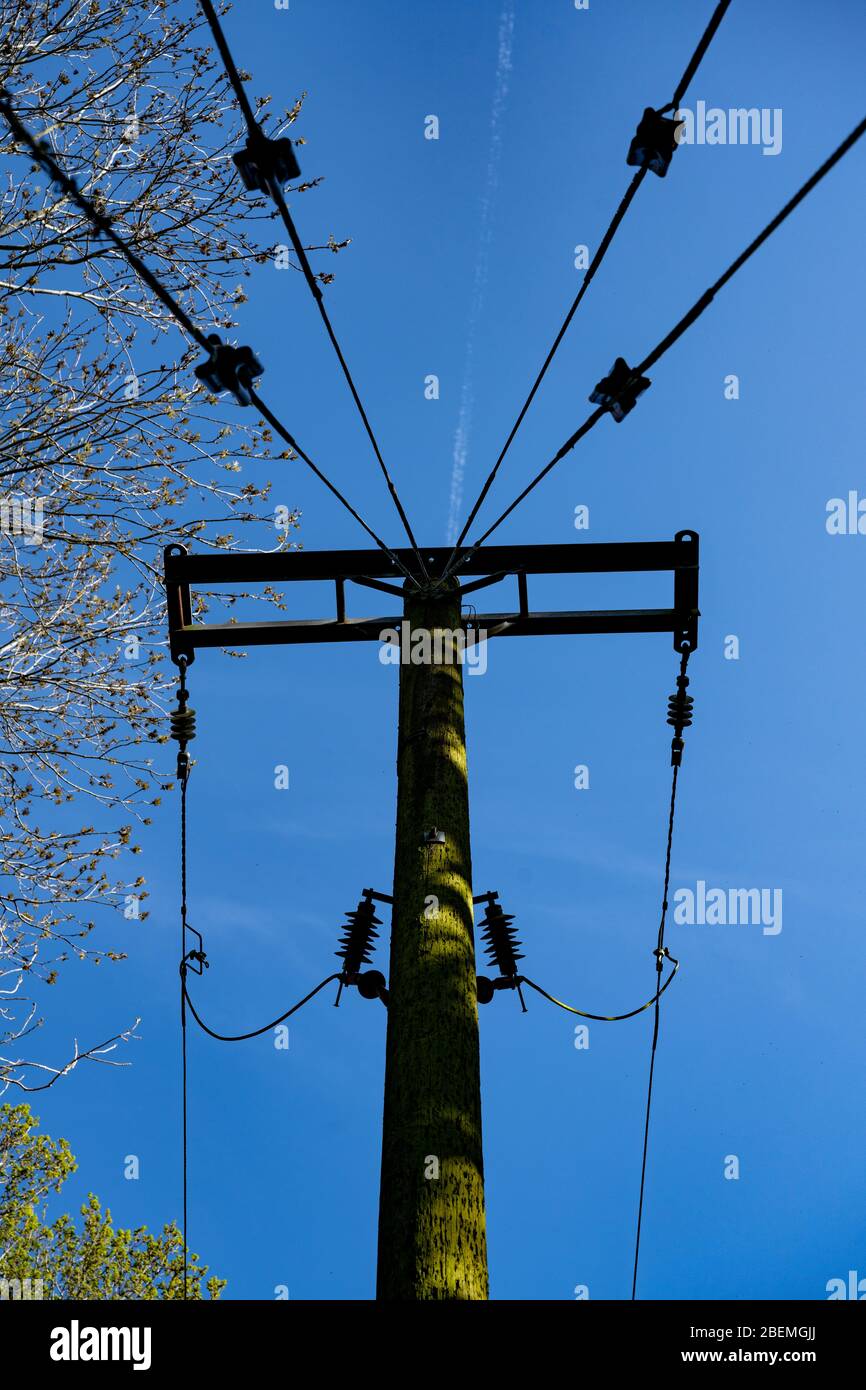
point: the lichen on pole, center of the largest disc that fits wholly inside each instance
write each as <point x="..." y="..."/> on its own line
<point x="432" y="1235"/>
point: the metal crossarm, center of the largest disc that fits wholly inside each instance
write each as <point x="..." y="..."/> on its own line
<point x="370" y="567"/>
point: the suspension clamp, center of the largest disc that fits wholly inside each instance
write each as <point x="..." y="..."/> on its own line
<point x="654" y="141"/>
<point x="263" y="161"/>
<point x="619" y="390"/>
<point x="229" y="368"/>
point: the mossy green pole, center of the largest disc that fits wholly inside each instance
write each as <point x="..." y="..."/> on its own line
<point x="432" y="1237"/>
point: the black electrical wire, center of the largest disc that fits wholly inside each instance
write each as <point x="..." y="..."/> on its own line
<point x="183" y="729"/>
<point x="694" y="63"/>
<point x="257" y="1032"/>
<point x="183" y="925"/>
<point x="103" y="225"/>
<point x="706" y="299"/>
<point x="606" y="1018"/>
<point x="659" y="991"/>
<point x="667" y="342"/>
<point x="593" y="267"/>
<point x="696" y="58"/>
<point x="281" y="430"/>
<point x="46" y="160"/>
<point x="276" y="192"/>
<point x="229" y="65"/>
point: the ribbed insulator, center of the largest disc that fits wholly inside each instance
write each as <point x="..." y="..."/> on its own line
<point x="183" y="724"/>
<point x="680" y="708"/>
<point x="500" y="940"/>
<point x="356" y="945"/>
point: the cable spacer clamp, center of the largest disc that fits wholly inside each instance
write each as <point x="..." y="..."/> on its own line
<point x="654" y="142"/>
<point x="229" y="369"/>
<point x="262" y="160"/>
<point x="618" y="391"/>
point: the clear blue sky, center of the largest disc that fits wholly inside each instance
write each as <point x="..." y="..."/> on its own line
<point x="761" y="1054"/>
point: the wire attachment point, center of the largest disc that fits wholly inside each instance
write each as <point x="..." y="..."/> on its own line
<point x="229" y="368"/>
<point x="654" y="142"/>
<point x="618" y="391"/>
<point x="198" y="955"/>
<point x="263" y="162"/>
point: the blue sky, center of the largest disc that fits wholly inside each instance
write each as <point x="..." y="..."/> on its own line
<point x="461" y="264"/>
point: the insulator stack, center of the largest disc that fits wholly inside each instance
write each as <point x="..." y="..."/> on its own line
<point x="680" y="709"/>
<point x="183" y="723"/>
<point x="357" y="943"/>
<point x="500" y="939"/>
<point x="680" y="706"/>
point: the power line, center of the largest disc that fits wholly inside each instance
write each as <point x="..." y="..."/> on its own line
<point x="502" y="943"/>
<point x="607" y="1018"/>
<point x="229" y="65"/>
<point x="183" y="728"/>
<point x="258" y="152"/>
<point x="257" y="1032"/>
<point x="660" y="948"/>
<point x="680" y="712"/>
<point x="596" y="261"/>
<point x="697" y="57"/>
<point x="593" y="267"/>
<point x="668" y="341"/>
<point x="239" y="358"/>
<point x="44" y="157"/>
<point x="280" y="428"/>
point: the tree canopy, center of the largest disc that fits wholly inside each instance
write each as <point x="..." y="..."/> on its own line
<point x="61" y="1259"/>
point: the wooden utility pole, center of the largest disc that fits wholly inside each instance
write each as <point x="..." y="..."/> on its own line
<point x="432" y="1236"/>
<point x="432" y="1242"/>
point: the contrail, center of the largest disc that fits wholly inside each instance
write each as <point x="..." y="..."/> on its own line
<point x="491" y="183"/>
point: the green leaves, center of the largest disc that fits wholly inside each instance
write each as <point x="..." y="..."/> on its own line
<point x="96" y="1261"/>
